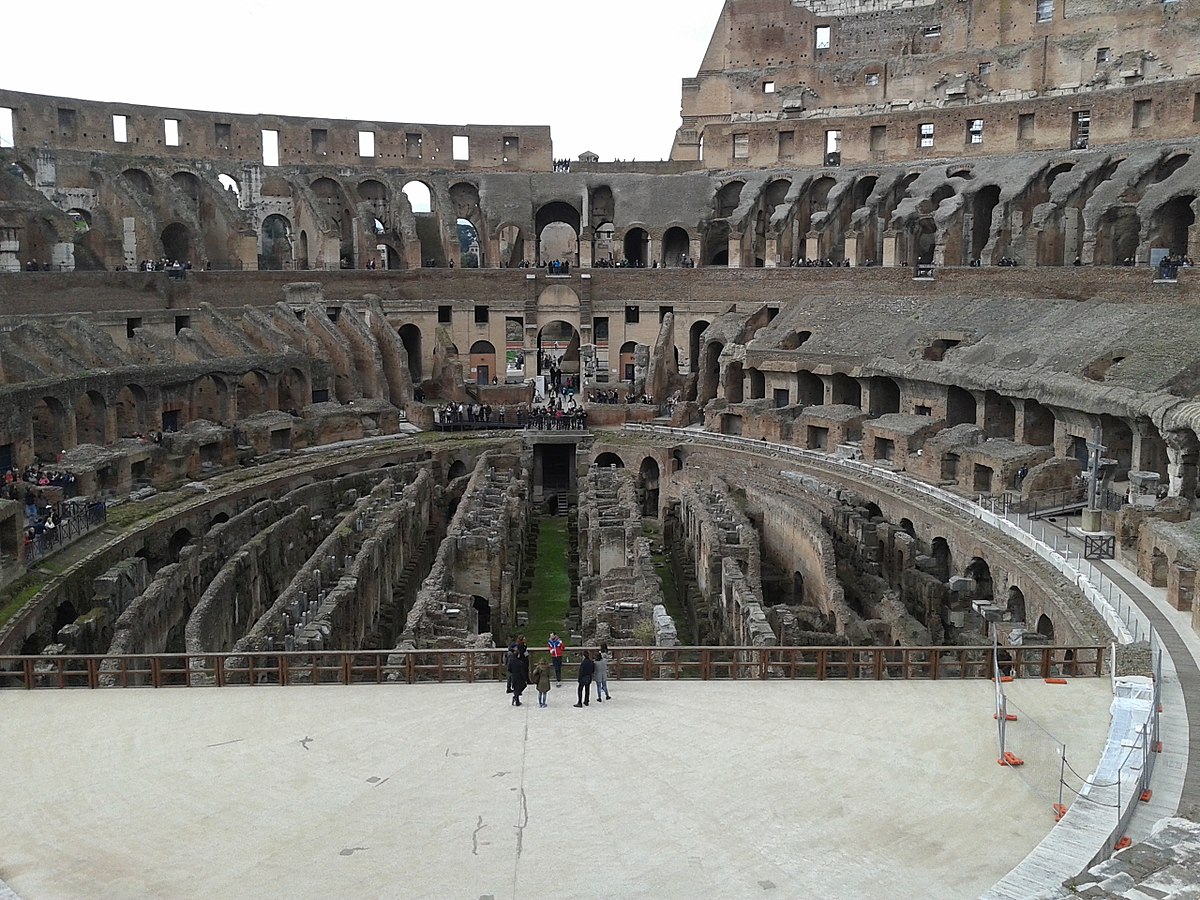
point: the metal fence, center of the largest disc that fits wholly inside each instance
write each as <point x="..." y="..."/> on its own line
<point x="481" y="665"/>
<point x="71" y="525"/>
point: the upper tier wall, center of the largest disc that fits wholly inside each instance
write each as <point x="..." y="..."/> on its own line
<point x="64" y="123"/>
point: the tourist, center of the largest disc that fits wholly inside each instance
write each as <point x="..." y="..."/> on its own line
<point x="508" y="664"/>
<point x="518" y="669"/>
<point x="587" y="669"/>
<point x="555" y="646"/>
<point x="602" y="658"/>
<point x="1021" y="473"/>
<point x="541" y="678"/>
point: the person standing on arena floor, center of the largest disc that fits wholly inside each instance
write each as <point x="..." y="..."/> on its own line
<point x="587" y="669"/>
<point x="556" y="653"/>
<point x="602" y="660"/>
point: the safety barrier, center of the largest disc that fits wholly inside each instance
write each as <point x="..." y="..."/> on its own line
<point x="487" y="664"/>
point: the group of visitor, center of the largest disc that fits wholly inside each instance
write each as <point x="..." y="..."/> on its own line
<point x="562" y="165"/>
<point x="557" y="413"/>
<point x="1169" y="266"/>
<point x="163" y="264"/>
<point x="18" y="482"/>
<point x="827" y="263"/>
<point x="593" y="668"/>
<point x="558" y="267"/>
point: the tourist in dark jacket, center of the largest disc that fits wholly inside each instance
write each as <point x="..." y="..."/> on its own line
<point x="518" y="669"/>
<point x="587" y="669"/>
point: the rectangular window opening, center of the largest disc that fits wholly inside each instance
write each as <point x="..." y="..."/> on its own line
<point x="985" y="68"/>
<point x="1195" y="111"/>
<point x="925" y="135"/>
<point x="512" y="148"/>
<point x="768" y="87"/>
<point x="222" y="134"/>
<point x="131" y="326"/>
<point x="872" y="79"/>
<point x="787" y="144"/>
<point x="412" y="145"/>
<point x="1025" y="124"/>
<point x="975" y="131"/>
<point x="445" y="314"/>
<point x="482" y="314"/>
<point x="1045" y="10"/>
<point x="600" y="329"/>
<point x="66" y="119"/>
<point x="932" y="31"/>
<point x="182" y="322"/>
<point x="270" y="147"/>
<point x="824" y="33"/>
<point x="1103" y="55"/>
<point x="664" y="311"/>
<point x="320" y="141"/>
<point x="171" y="132"/>
<point x="6" y="127"/>
<point x="741" y="146"/>
<point x="878" y="137"/>
<point x="633" y="315"/>
<point x="1143" y="113"/>
<point x="366" y="143"/>
<point x="462" y="148"/>
<point x="120" y="129"/>
<point x="1081" y="128"/>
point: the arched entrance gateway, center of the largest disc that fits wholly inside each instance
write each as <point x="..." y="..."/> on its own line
<point x="558" y="348"/>
<point x="557" y="227"/>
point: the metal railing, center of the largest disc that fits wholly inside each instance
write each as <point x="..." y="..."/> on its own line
<point x="68" y="529"/>
<point x="471" y="666"/>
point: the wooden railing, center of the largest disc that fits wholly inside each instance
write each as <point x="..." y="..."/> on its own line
<point x="483" y="665"/>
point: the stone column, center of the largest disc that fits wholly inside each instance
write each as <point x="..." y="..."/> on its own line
<point x="650" y="253"/>
<point x="587" y="248"/>
<point x="890" y="259"/>
<point x="771" y="259"/>
<point x="735" y="251"/>
<point x="812" y="245"/>
<point x="694" y="250"/>
<point x="852" y="247"/>
<point x="1182" y="455"/>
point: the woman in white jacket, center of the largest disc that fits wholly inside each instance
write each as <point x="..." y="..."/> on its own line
<point x="601" y="676"/>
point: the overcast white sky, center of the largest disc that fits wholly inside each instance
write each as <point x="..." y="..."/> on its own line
<point x="604" y="76"/>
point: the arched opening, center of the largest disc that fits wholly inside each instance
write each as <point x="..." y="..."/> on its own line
<point x="960" y="406"/>
<point x="885" y="396"/>
<point x="49" y="436"/>
<point x="32" y="645"/>
<point x="1015" y="604"/>
<point x="637" y="248"/>
<point x="924" y="241"/>
<point x="710" y="372"/>
<point x="874" y="513"/>
<point x="483" y="614"/>
<point x="176" y="243"/>
<point x="275" y="252"/>
<point x="716" y="244"/>
<point x="810" y="389"/>
<point x="999" y="416"/>
<point x="908" y="528"/>
<point x="648" y="477"/>
<point x="208" y="394"/>
<point x="420" y="198"/>
<point x="230" y="185"/>
<point x="303" y="261"/>
<point x="251" y="395"/>
<point x="1045" y="627"/>
<point x="1039" y="425"/>
<point x="758" y="384"/>
<point x="942" y="560"/>
<point x="469" y="247"/>
<point x="818" y="194"/>
<point x="609" y="461"/>
<point x="139" y="181"/>
<point x="627" y="363"/>
<point x="179" y="540"/>
<point x="483" y="362"/>
<point x="131" y="411"/>
<point x="981" y="573"/>
<point x="845" y="390"/>
<point x="676" y="248"/>
<point x="512" y="246"/>
<point x="82" y="219"/>
<point x="294" y="394"/>
<point x="458" y="469"/>
<point x="558" y="343"/>
<point x="1117" y="237"/>
<point x="64" y="615"/>
<point x="694" y="334"/>
<point x="795" y="340"/>
<point x="410" y="337"/>
<point x="1172" y="223"/>
<point x="728" y="198"/>
<point x="90" y="416"/>
<point x="219" y="519"/>
<point x="797" y="588"/>
<point x="187" y="185"/>
<point x="676" y="460"/>
<point x="557" y="226"/>
<point x="983" y="206"/>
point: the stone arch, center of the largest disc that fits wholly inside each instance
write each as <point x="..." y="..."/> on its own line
<point x="558" y="296"/>
<point x="458" y="469"/>
<point x="960" y="406"/>
<point x="983" y="206"/>
<point x="410" y="336"/>
<point x="252" y="395"/>
<point x="188" y="185"/>
<point x="1045" y="627"/>
<point x="981" y="573"/>
<point x="603" y="206"/>
<point x="374" y="192"/>
<point x="908" y="528"/>
<point x="758" y="384"/>
<point x="131" y="411"/>
<point x="845" y="389"/>
<point x="999" y="416"/>
<point x="275" y="243"/>
<point x="636" y="247"/>
<point x="177" y="242"/>
<point x="420" y="197"/>
<point x="64" y="615"/>
<point x="483" y="362"/>
<point x="943" y="559"/>
<point x="648" y="477"/>
<point x="557" y="227"/>
<point x="1117" y="236"/>
<point x="1039" y="425"/>
<point x="180" y="539"/>
<point x="208" y="396"/>
<point x="676" y="247"/>
<point x="885" y="395"/>
<point x="1015" y="604"/>
<point x="728" y="198"/>
<point x="139" y="181"/>
<point x="716" y="244"/>
<point x="48" y="420"/>
<point x="694" y="335"/>
<point x="609" y="460"/>
<point x="91" y="413"/>
<point x="470" y="247"/>
<point x="810" y="389"/>
<point x="561" y="339"/>
<point x="734" y="383"/>
<point x="512" y="245"/>
<point x="294" y="393"/>
<point x="1172" y="224"/>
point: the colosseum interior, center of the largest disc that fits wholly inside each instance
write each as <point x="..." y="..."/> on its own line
<point x="276" y="385"/>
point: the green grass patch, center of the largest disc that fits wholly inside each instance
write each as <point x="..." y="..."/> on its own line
<point x="549" y="596"/>
<point x="17" y="595"/>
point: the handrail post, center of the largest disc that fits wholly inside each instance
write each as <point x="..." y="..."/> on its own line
<point x="410" y="673"/>
<point x="93" y="680"/>
<point x="155" y="671"/>
<point x="347" y="669"/>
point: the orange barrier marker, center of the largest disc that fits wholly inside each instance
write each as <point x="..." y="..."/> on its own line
<point x="1004" y="679"/>
<point x="1010" y="759"/>
<point x="1059" y="811"/>
<point x="1056" y="681"/>
<point x="1008" y="717"/>
<point x="1146" y="795"/>
<point x="1158" y="746"/>
<point x="1122" y="844"/>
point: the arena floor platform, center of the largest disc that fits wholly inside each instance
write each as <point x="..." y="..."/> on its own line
<point x="695" y="789"/>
